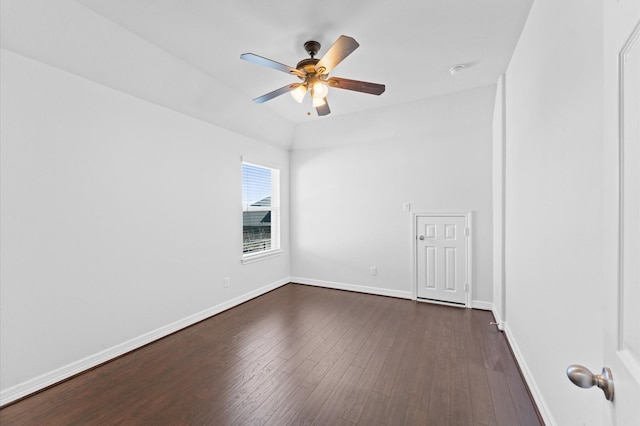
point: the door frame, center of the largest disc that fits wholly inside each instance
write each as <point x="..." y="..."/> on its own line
<point x="468" y="216"/>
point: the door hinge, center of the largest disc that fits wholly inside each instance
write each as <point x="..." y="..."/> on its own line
<point x="466" y="287"/>
<point x="466" y="232"/>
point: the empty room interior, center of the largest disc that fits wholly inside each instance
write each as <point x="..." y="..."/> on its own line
<point x="327" y="212"/>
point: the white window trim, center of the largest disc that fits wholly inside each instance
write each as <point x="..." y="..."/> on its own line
<point x="256" y="257"/>
<point x="266" y="254"/>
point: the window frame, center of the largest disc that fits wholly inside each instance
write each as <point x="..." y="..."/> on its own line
<point x="274" y="208"/>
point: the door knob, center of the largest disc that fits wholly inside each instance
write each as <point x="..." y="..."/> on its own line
<point x="421" y="237"/>
<point x="584" y="378"/>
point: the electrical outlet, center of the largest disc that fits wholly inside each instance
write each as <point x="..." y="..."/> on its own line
<point x="227" y="282"/>
<point x="374" y="270"/>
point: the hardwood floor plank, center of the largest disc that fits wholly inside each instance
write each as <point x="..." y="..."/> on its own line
<point x="303" y="355"/>
<point x="242" y="399"/>
<point x="373" y="409"/>
<point x="460" y="397"/>
<point x="481" y="402"/>
<point x="334" y="335"/>
<point x="320" y="327"/>
<point x="400" y="395"/>
<point x="420" y="387"/>
<point x="526" y="411"/>
<point x="422" y="381"/>
<point x="417" y="416"/>
<point x="379" y="329"/>
<point x="275" y="399"/>
<point x="323" y="391"/>
<point x="508" y="362"/>
<point x="439" y="412"/>
<point x="366" y="327"/>
<point x="287" y="410"/>
<point x="342" y="422"/>
<point x="497" y="356"/>
<point x="334" y="405"/>
<point x="394" y="357"/>
<point x="357" y="397"/>
<point x="503" y="405"/>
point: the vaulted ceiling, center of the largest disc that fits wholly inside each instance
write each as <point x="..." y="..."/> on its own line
<point x="185" y="55"/>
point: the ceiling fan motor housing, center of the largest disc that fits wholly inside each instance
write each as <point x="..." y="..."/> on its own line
<point x="308" y="65"/>
<point x="312" y="47"/>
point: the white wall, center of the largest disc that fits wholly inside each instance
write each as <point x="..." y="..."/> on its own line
<point x="351" y="174"/>
<point x="118" y="218"/>
<point x="70" y="36"/>
<point x="554" y="209"/>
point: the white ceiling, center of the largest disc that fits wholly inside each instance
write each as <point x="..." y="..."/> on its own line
<point x="408" y="45"/>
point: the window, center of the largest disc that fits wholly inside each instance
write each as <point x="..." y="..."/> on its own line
<point x="260" y="212"/>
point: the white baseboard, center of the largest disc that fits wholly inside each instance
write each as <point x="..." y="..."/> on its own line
<point x="38" y="383"/>
<point x="528" y="377"/>
<point x="475" y="304"/>
<point x="479" y="304"/>
<point x="353" y="287"/>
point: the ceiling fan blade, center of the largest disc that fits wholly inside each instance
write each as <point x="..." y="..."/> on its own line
<point x="337" y="52"/>
<point x="323" y="109"/>
<point x="256" y="59"/>
<point x="275" y="93"/>
<point x="356" y="85"/>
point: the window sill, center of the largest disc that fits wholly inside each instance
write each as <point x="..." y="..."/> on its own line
<point x="256" y="257"/>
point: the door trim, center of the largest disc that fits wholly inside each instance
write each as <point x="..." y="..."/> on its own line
<point x="468" y="246"/>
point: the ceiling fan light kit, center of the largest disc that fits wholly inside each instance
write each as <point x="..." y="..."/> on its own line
<point x="317" y="101"/>
<point x="299" y="92"/>
<point x="314" y="74"/>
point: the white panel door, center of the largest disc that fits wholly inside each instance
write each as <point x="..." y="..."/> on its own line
<point x="622" y="322"/>
<point x="441" y="258"/>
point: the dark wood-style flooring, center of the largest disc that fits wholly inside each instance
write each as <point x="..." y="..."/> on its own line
<point x="303" y="355"/>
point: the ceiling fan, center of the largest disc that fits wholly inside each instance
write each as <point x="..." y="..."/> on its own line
<point x="314" y="74"/>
